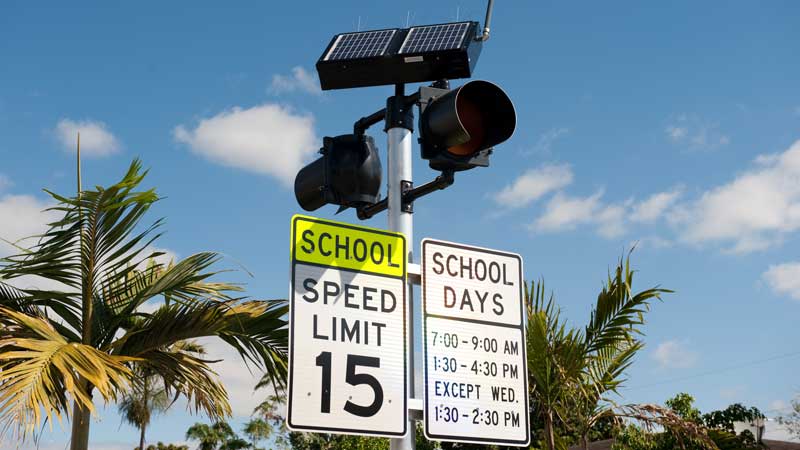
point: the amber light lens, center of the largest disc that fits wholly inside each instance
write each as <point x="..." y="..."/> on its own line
<point x="469" y="114"/>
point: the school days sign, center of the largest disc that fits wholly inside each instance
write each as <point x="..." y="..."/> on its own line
<point x="475" y="368"/>
<point x="347" y="344"/>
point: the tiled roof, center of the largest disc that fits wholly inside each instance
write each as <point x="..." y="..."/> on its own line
<point x="771" y="445"/>
<point x="781" y="445"/>
<point x="597" y="445"/>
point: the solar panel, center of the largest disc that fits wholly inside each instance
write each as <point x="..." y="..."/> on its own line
<point x="434" y="37"/>
<point x="399" y="55"/>
<point x="360" y="45"/>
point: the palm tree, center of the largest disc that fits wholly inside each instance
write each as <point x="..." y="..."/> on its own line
<point x="573" y="370"/>
<point x="257" y="430"/>
<point x="219" y="436"/>
<point x="235" y="443"/>
<point x="554" y="360"/>
<point x="162" y="446"/>
<point x="62" y="346"/>
<point x="610" y="344"/>
<point x="145" y="398"/>
<point x="209" y="435"/>
<point x="147" y="394"/>
<point x="270" y="412"/>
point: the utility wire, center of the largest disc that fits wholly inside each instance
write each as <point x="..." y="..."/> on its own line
<point x="716" y="371"/>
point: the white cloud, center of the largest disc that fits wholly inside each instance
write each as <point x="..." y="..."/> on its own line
<point x="533" y="184"/>
<point x="238" y="381"/>
<point x="564" y="212"/>
<point x="544" y="144"/>
<point x="655" y="242"/>
<point x="676" y="133"/>
<point x="650" y="210"/>
<point x="611" y="221"/>
<point x="757" y="209"/>
<point x="674" y="354"/>
<point x="269" y="139"/>
<point x="779" y="406"/>
<point x="30" y="219"/>
<point x="697" y="134"/>
<point x="752" y="212"/>
<point x="777" y="432"/>
<point x="5" y="182"/>
<point x="96" y="139"/>
<point x="299" y="80"/>
<point x="784" y="279"/>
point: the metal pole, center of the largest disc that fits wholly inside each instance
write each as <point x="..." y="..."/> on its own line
<point x="399" y="150"/>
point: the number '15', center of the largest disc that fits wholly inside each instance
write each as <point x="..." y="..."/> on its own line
<point x="354" y="379"/>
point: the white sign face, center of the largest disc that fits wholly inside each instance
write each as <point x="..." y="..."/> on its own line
<point x="476" y="377"/>
<point x="347" y="353"/>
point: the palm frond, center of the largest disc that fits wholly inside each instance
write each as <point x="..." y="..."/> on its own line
<point x="35" y="302"/>
<point x="618" y="312"/>
<point x="184" y="282"/>
<point x="651" y="415"/>
<point x="56" y="256"/>
<point x="555" y="352"/>
<point x="192" y="377"/>
<point x="16" y="299"/>
<point x="256" y="329"/>
<point x="41" y="371"/>
<point x="606" y="370"/>
<point x="57" y="347"/>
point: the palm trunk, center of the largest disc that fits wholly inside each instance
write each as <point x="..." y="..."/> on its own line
<point x="81" y="419"/>
<point x="145" y="399"/>
<point x="141" y="437"/>
<point x="549" y="436"/>
<point x="584" y="441"/>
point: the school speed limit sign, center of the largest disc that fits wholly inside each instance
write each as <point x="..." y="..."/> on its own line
<point x="347" y="341"/>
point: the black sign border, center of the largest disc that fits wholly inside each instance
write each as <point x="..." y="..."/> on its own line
<point x="294" y="263"/>
<point x="521" y="327"/>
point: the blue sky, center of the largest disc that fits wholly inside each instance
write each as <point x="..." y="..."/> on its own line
<point x="674" y="124"/>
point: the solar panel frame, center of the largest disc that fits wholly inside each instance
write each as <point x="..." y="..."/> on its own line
<point x="363" y="45"/>
<point x="432" y="38"/>
<point x="341" y="68"/>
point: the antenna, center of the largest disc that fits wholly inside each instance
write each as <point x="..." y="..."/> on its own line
<point x="79" y="164"/>
<point x="486" y="22"/>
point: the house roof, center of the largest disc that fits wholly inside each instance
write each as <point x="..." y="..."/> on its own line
<point x="781" y="445"/>
<point x="597" y="445"/>
<point x="770" y="444"/>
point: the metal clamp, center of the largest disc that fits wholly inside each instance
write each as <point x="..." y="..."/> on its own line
<point x="406" y="205"/>
<point x="409" y="193"/>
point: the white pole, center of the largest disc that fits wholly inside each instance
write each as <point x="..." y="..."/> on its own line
<point x="399" y="150"/>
